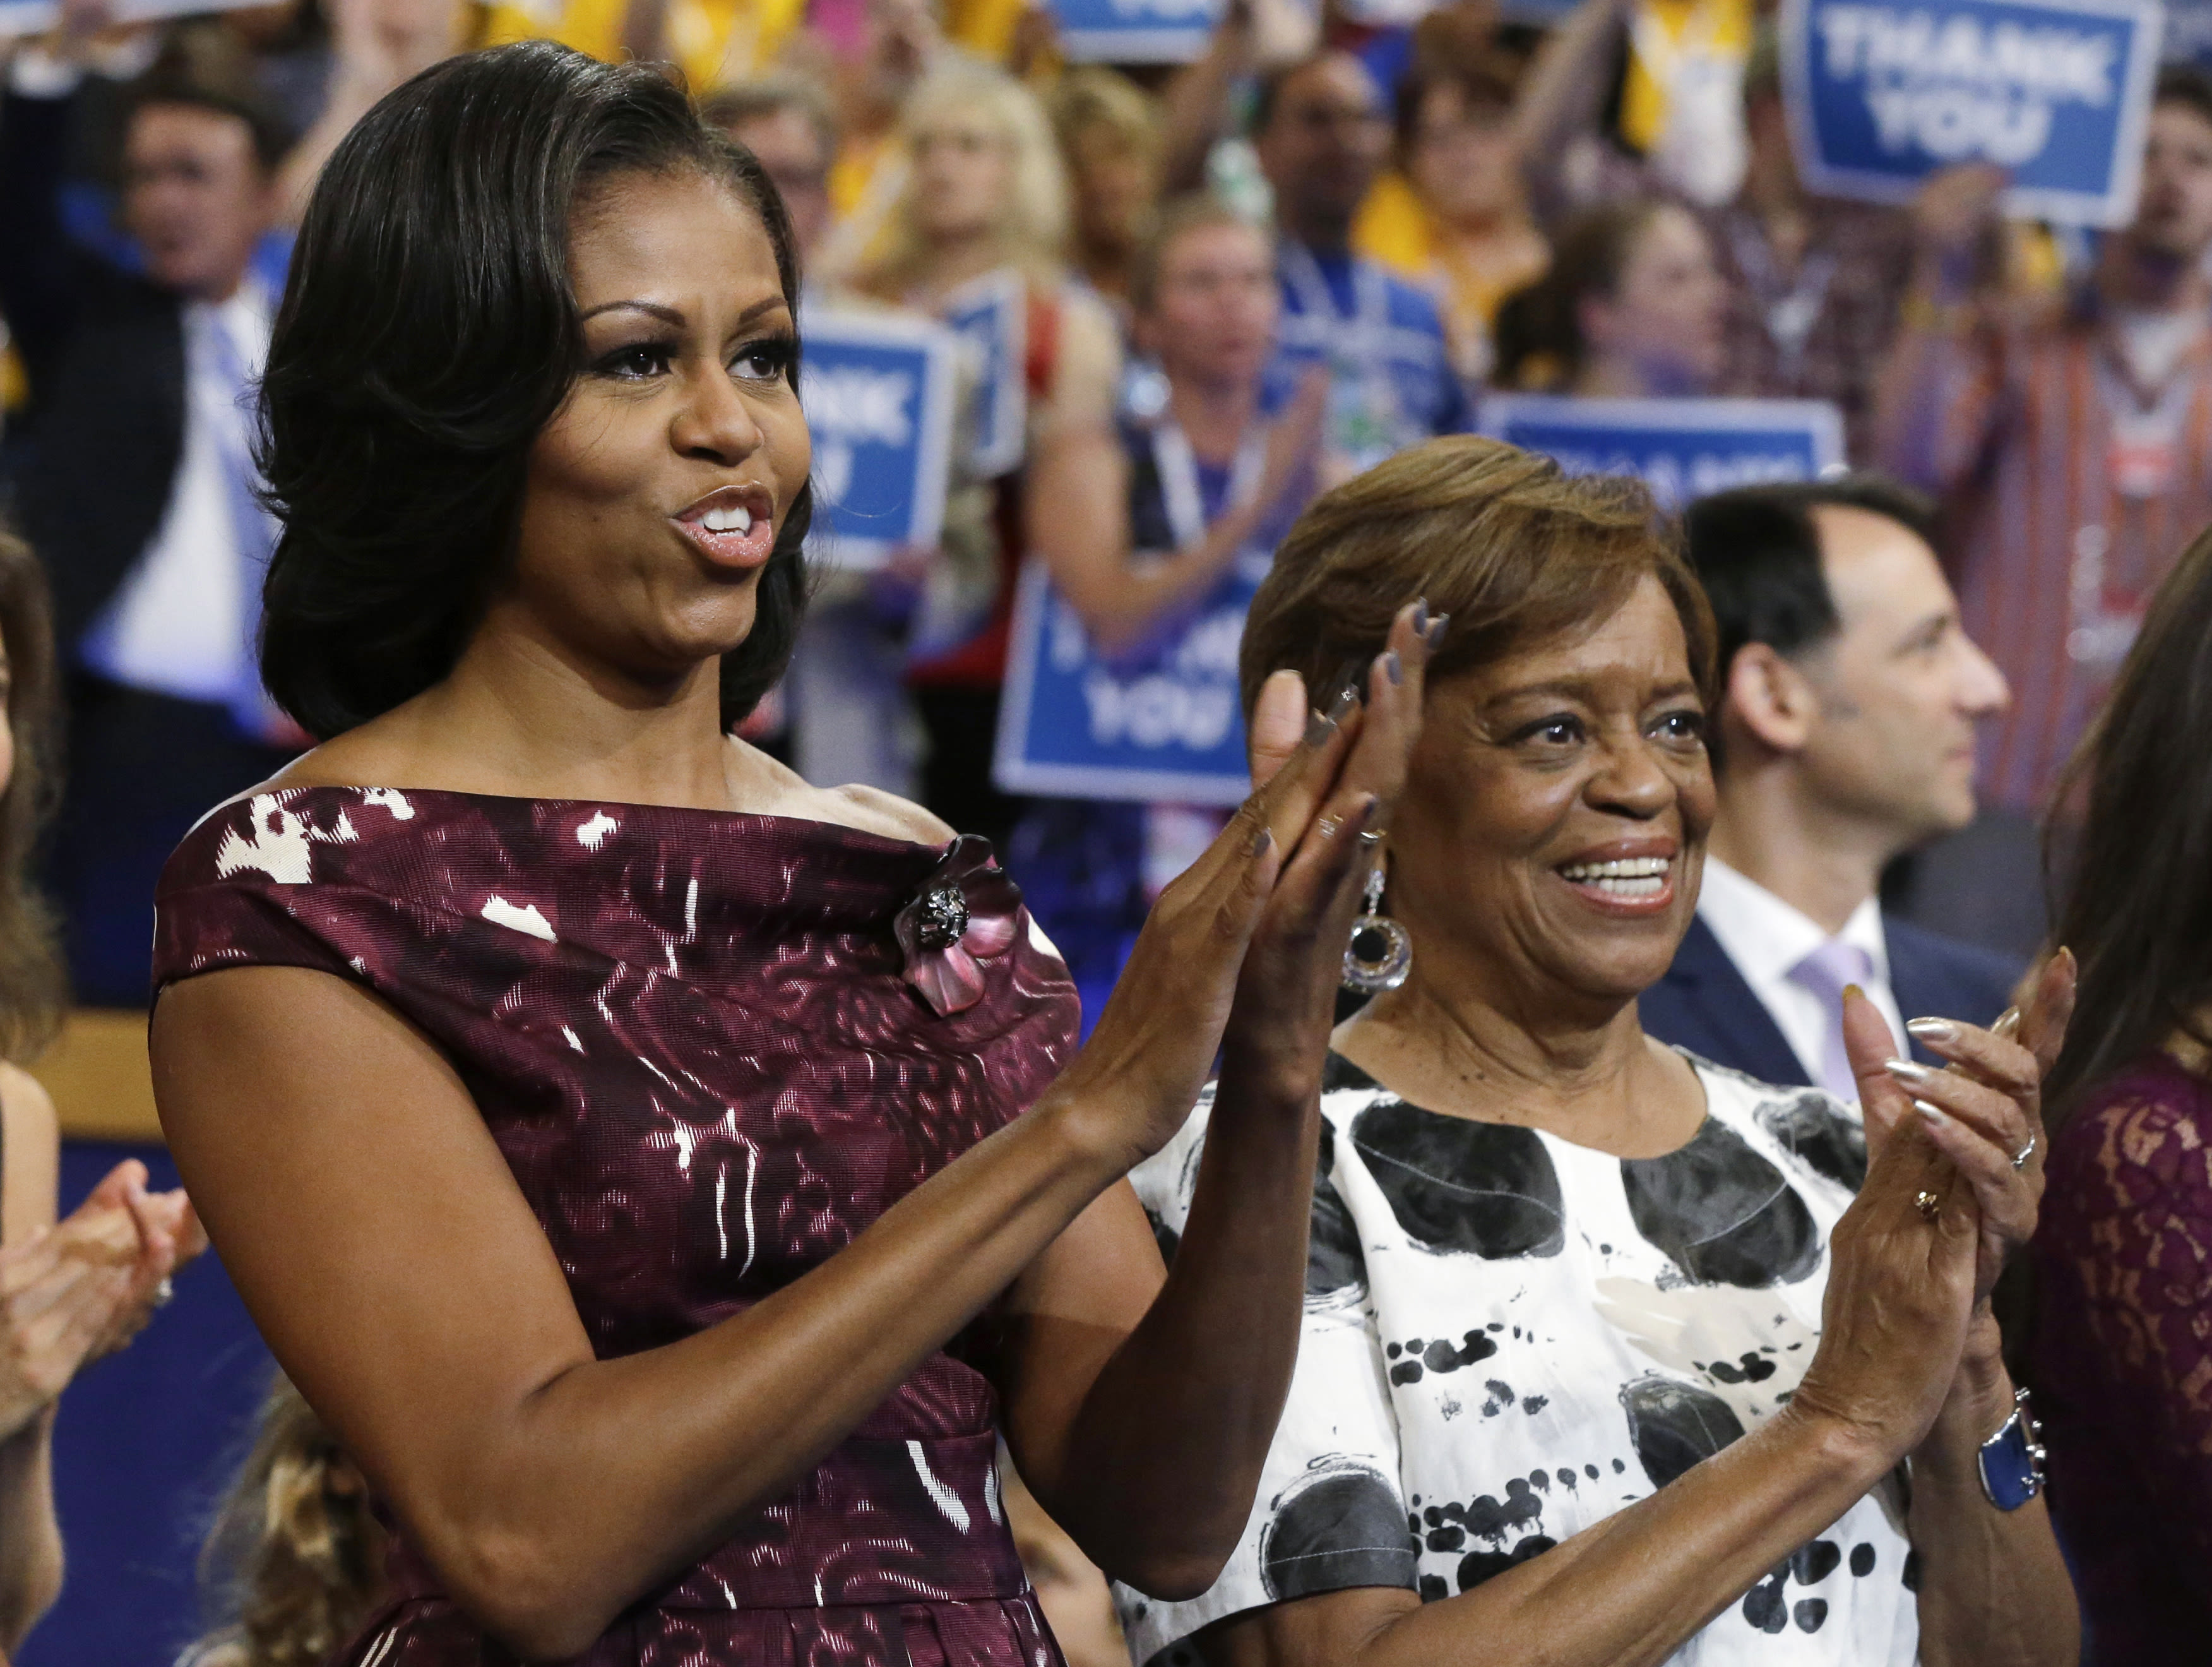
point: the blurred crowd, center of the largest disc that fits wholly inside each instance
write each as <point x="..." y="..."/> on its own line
<point x="1241" y="279"/>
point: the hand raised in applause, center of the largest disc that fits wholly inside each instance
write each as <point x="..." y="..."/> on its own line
<point x="82" y="1289"/>
<point x="1913" y="1259"/>
<point x="1249" y="941"/>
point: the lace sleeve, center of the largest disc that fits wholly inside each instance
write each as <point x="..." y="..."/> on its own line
<point x="2133" y="1218"/>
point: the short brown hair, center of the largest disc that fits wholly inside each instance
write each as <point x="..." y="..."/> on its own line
<point x="1184" y="214"/>
<point x="1514" y="549"/>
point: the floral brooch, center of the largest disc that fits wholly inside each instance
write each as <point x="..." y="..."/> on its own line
<point x="963" y="914"/>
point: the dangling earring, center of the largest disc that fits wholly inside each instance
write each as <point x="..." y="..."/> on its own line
<point x="1381" y="952"/>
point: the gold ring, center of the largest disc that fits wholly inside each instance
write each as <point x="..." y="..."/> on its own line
<point x="1928" y="1203"/>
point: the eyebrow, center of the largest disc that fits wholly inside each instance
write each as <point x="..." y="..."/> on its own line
<point x="1573" y="690"/>
<point x="673" y="315"/>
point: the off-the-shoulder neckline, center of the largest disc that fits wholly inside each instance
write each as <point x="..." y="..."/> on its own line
<point x="622" y="805"/>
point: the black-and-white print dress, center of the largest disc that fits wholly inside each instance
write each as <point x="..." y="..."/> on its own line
<point x="1509" y="1337"/>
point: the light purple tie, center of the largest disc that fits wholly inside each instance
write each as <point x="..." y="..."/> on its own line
<point x="1824" y="972"/>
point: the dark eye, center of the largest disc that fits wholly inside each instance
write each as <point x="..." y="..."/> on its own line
<point x="635" y="362"/>
<point x="1561" y="729"/>
<point x="1681" y="725"/>
<point x="766" y="361"/>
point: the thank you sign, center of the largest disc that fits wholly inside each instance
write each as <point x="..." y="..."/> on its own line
<point x="1161" y="721"/>
<point x="1134" y="31"/>
<point x="1680" y="448"/>
<point x="878" y="389"/>
<point x="1882" y="93"/>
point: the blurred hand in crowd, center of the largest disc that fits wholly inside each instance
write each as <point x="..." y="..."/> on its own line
<point x="1959" y="229"/>
<point x="82" y="1289"/>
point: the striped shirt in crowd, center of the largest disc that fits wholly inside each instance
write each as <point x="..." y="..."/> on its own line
<point x="2069" y="491"/>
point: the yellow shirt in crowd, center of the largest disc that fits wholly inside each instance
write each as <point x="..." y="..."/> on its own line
<point x="714" y="42"/>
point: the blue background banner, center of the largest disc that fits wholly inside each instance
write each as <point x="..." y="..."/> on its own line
<point x="877" y="391"/>
<point x="1134" y="31"/>
<point x="1161" y="721"/>
<point x="1680" y="448"/>
<point x="1882" y="93"/>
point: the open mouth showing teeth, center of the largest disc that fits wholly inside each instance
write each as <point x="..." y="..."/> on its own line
<point x="1629" y="877"/>
<point x="734" y="519"/>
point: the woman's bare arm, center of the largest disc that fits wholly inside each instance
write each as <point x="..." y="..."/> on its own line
<point x="386" y="1254"/>
<point x="30" y="1538"/>
<point x="1143" y="1421"/>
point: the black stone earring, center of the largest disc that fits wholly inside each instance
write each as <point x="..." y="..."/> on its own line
<point x="1381" y="952"/>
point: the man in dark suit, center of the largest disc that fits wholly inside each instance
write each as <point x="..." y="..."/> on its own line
<point x="135" y="482"/>
<point x="1844" y="737"/>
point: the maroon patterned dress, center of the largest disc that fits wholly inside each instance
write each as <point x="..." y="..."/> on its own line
<point x="689" y="1034"/>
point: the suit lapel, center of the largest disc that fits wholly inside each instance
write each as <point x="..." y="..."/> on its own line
<point x="1710" y="984"/>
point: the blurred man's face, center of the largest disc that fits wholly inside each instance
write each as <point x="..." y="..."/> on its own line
<point x="1462" y="158"/>
<point x="1901" y="688"/>
<point x="1212" y="314"/>
<point x="1325" y="140"/>
<point x="195" y="196"/>
<point x="2173" y="216"/>
<point x="790" y="150"/>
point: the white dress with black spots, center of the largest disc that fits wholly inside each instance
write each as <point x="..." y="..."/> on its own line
<point x="1509" y="1337"/>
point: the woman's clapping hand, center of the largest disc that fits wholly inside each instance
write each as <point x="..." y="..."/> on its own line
<point x="1943" y="1208"/>
<point x="84" y="1288"/>
<point x="1258" y="924"/>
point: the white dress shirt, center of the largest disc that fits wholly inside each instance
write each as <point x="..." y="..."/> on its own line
<point x="1766" y="937"/>
<point x="177" y="623"/>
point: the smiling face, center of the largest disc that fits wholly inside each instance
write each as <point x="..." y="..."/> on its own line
<point x="1553" y="829"/>
<point x="654" y="496"/>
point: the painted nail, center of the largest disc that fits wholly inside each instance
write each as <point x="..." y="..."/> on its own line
<point x="1319" y="727"/>
<point x="1907" y="1070"/>
<point x="1933" y="1029"/>
<point x="1421" y="617"/>
<point x="1369" y="813"/>
<point x="1853" y="989"/>
<point x="1261" y="841"/>
<point x="1435" y="632"/>
<point x="1344" y="702"/>
<point x="1393" y="668"/>
<point x="1935" y="1114"/>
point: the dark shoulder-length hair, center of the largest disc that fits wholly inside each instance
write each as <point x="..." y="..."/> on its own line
<point x="1514" y="549"/>
<point x="2137" y="913"/>
<point x="428" y="334"/>
<point x="32" y="993"/>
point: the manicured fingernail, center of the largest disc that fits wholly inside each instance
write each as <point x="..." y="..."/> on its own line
<point x="1319" y="727"/>
<point x="1261" y="840"/>
<point x="1421" y="617"/>
<point x="1853" y="989"/>
<point x="1371" y="813"/>
<point x="1933" y="1029"/>
<point x="1435" y="632"/>
<point x="1393" y="668"/>
<point x="1935" y="1114"/>
<point x="1907" y="1070"/>
<point x="1344" y="702"/>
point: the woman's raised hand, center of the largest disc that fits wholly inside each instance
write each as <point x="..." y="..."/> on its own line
<point x="1943" y="1207"/>
<point x="1287" y="868"/>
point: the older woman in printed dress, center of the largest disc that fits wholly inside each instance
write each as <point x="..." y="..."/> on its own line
<point x="1610" y="1357"/>
<point x="657" y="1170"/>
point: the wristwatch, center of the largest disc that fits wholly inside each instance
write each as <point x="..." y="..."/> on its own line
<point x="2012" y="1459"/>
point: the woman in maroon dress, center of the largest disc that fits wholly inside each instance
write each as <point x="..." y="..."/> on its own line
<point x="666" y="1177"/>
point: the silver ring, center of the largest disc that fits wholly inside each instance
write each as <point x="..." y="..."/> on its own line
<point x="164" y="1291"/>
<point x="1370" y="838"/>
<point x="1326" y="827"/>
<point x="2020" y="1157"/>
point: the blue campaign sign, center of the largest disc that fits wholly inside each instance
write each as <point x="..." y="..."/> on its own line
<point x="1134" y="31"/>
<point x="878" y="392"/>
<point x="1680" y="448"/>
<point x="991" y="316"/>
<point x="1163" y="721"/>
<point x="2055" y="92"/>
